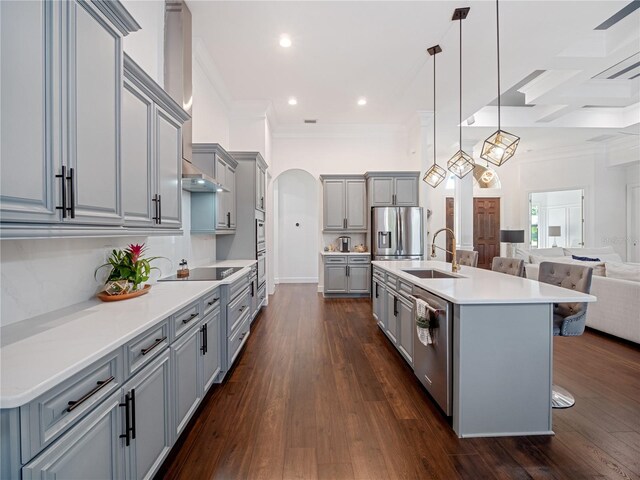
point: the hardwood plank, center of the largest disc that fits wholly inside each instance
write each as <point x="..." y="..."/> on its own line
<point x="300" y="464"/>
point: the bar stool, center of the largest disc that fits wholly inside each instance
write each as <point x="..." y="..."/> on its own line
<point x="569" y="319"/>
<point x="510" y="266"/>
<point x="467" y="257"/>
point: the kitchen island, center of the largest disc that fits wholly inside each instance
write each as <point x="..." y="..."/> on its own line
<point x="499" y="338"/>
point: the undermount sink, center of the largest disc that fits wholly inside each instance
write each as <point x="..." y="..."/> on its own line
<point x="431" y="273"/>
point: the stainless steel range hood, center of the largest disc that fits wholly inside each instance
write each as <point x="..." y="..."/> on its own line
<point x="178" y="83"/>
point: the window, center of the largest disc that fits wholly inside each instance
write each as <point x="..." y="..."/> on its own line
<point x="534" y="225"/>
<point x="556" y="218"/>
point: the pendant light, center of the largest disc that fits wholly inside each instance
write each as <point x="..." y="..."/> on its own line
<point x="501" y="145"/>
<point x="436" y="174"/>
<point x="461" y="163"/>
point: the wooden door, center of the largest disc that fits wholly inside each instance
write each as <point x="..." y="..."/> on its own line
<point x="486" y="230"/>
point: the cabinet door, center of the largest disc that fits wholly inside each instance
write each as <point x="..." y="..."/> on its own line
<point x="378" y="296"/>
<point x="335" y="279"/>
<point x="406" y="190"/>
<point x="137" y="157"/>
<point x="221" y="210"/>
<point x="260" y="188"/>
<point x="93" y="100"/>
<point x="28" y="140"/>
<point x="231" y="197"/>
<point x="392" y="316"/>
<point x="356" y="204"/>
<point x="382" y="191"/>
<point x="407" y="328"/>
<point x="169" y="167"/>
<point x="359" y="278"/>
<point x="90" y="450"/>
<point x="185" y="354"/>
<point x="211" y="359"/>
<point x="334" y="205"/>
<point x="151" y="405"/>
<point x="221" y="171"/>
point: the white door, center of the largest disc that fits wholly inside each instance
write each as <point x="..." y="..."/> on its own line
<point x="633" y="223"/>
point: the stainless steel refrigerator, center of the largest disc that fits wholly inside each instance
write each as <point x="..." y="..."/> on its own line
<point x="396" y="233"/>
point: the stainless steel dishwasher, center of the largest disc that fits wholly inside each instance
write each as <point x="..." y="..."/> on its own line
<point x="432" y="363"/>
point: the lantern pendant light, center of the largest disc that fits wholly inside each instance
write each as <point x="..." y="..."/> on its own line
<point x="436" y="174"/>
<point x="461" y="163"/>
<point x="501" y="145"/>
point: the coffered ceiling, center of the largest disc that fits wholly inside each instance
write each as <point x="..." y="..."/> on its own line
<point x="565" y="64"/>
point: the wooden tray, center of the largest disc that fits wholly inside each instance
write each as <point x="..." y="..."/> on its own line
<point x="105" y="297"/>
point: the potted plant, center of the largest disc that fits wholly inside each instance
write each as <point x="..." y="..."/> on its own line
<point x="129" y="271"/>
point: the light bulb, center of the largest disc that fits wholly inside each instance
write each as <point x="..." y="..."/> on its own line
<point x="285" y="40"/>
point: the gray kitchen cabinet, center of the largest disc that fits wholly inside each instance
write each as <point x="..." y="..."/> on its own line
<point x="359" y="278"/>
<point x="187" y="386"/>
<point x="210" y="349"/>
<point x="169" y="160"/>
<point x="149" y="397"/>
<point x="344" y="203"/>
<point x="261" y="185"/>
<point x="379" y="295"/>
<point x="335" y="279"/>
<point x="387" y="189"/>
<point x="91" y="450"/>
<point x="215" y="212"/>
<point x="406" y="326"/>
<point x="391" y="326"/>
<point x="347" y="274"/>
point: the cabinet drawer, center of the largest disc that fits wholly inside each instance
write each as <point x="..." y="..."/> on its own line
<point x="237" y="340"/>
<point x="236" y="310"/>
<point x="392" y="281"/>
<point x="239" y="285"/>
<point x="360" y="259"/>
<point x="379" y="274"/>
<point x="53" y="413"/>
<point x="404" y="287"/>
<point x="211" y="301"/>
<point x="335" y="260"/>
<point x="262" y="295"/>
<point x="185" y="318"/>
<point x="139" y="351"/>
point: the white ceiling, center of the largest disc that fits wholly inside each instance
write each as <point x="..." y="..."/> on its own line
<point x="344" y="50"/>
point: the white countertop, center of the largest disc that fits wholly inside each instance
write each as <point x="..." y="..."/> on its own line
<point x="39" y="353"/>
<point x="345" y="253"/>
<point x="481" y="286"/>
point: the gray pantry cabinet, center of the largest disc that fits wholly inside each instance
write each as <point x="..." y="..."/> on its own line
<point x="346" y="275"/>
<point x="389" y="189"/>
<point x="62" y="171"/>
<point x="119" y="417"/>
<point x="151" y="152"/>
<point x="214" y="212"/>
<point x="344" y="203"/>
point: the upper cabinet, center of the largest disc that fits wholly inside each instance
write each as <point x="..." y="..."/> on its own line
<point x="151" y="152"/>
<point x="344" y="203"/>
<point x="214" y="212"/>
<point x="261" y="185"/>
<point x="393" y="189"/>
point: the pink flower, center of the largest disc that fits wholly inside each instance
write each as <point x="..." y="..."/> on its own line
<point x="135" y="251"/>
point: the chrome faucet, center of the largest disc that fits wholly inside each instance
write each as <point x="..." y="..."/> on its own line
<point x="454" y="265"/>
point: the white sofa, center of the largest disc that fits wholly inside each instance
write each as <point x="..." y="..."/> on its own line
<point x="617" y="310"/>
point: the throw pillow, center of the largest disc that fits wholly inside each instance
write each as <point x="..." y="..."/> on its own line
<point x="585" y="259"/>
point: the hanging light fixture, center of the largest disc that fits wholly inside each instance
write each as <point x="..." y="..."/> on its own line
<point x="436" y="174"/>
<point x="461" y="163"/>
<point x="501" y="145"/>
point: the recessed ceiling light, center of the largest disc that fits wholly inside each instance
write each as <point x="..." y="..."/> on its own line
<point x="285" y="40"/>
<point x="218" y="189"/>
<point x="362" y="101"/>
<point x="293" y="101"/>
<point x="201" y="182"/>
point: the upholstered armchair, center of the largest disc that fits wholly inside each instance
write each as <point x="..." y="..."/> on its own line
<point x="467" y="257"/>
<point x="510" y="266"/>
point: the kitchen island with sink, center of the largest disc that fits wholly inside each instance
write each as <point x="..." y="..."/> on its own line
<point x="488" y="359"/>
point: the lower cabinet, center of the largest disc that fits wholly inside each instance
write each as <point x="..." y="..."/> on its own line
<point x="210" y="350"/>
<point x="391" y="326"/>
<point x="348" y="274"/>
<point x="406" y="325"/>
<point x="185" y="355"/>
<point x="335" y="279"/>
<point x="379" y="305"/>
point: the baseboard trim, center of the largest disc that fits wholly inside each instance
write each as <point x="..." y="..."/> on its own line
<point x="298" y="280"/>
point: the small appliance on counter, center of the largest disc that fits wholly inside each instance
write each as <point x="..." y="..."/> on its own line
<point x="183" y="271"/>
<point x="344" y="244"/>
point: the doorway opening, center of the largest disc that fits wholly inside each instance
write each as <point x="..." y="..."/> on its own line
<point x="486" y="228"/>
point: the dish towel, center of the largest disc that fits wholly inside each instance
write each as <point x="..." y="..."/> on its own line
<point x="423" y="324"/>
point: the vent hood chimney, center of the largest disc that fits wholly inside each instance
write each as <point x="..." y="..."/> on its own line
<point x="178" y="84"/>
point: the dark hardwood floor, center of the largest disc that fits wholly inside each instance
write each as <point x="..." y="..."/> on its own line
<point x="319" y="392"/>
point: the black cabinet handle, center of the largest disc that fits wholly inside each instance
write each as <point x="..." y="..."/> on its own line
<point x="241" y="309"/>
<point x="127" y="424"/>
<point x="63" y="191"/>
<point x="158" y="341"/>
<point x="133" y="413"/>
<point x="159" y="209"/>
<point x="262" y="202"/>
<point x="203" y="330"/>
<point x="72" y="194"/>
<point x="377" y="285"/>
<point x="156" y="204"/>
<point x="347" y="270"/>
<point x="253" y="290"/>
<point x="395" y="306"/>
<point x="100" y="385"/>
<point x="213" y="301"/>
<point x="228" y="219"/>
<point x="187" y="320"/>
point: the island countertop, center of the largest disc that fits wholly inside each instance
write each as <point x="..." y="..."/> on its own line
<point x="479" y="286"/>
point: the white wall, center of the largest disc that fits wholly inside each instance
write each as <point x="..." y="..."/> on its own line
<point x="146" y="46"/>
<point x="297" y="245"/>
<point x="210" y="112"/>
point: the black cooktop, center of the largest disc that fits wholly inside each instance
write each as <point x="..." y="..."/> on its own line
<point x="204" y="274"/>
